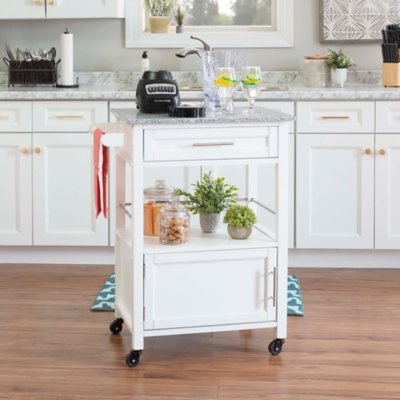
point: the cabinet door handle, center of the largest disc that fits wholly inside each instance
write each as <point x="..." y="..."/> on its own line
<point x="24" y="150"/>
<point x="37" y="150"/>
<point x="50" y="2"/>
<point x="214" y="144"/>
<point x="38" y="2"/>
<point x="382" y="152"/>
<point x="70" y="116"/>
<point x="4" y="116"/>
<point x="335" y="117"/>
<point x="368" y="151"/>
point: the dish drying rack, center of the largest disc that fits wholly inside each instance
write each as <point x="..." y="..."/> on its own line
<point x="40" y="72"/>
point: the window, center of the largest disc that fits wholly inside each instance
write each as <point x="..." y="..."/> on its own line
<point x="221" y="23"/>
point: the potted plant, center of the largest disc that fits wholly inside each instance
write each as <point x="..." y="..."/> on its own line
<point x="339" y="62"/>
<point x="179" y="16"/>
<point x="160" y="19"/>
<point x="240" y="220"/>
<point x="209" y="199"/>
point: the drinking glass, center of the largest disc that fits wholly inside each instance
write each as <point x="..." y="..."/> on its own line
<point x="225" y="84"/>
<point x="251" y="86"/>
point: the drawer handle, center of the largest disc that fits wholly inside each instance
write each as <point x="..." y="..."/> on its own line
<point x="214" y="144"/>
<point x="37" y="150"/>
<point x="4" y="116"/>
<point x="70" y="116"/>
<point x="38" y="2"/>
<point x="50" y="2"/>
<point x="368" y="151"/>
<point x="24" y="150"/>
<point x="335" y="117"/>
<point x="382" y="152"/>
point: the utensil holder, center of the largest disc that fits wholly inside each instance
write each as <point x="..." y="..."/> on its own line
<point x="42" y="72"/>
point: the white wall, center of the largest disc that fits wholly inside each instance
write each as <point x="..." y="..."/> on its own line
<point x="100" y="45"/>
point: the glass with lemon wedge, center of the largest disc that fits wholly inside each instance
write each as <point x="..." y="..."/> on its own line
<point x="251" y="86"/>
<point x="225" y="84"/>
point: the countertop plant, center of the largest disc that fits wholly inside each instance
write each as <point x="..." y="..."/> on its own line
<point x="339" y="60"/>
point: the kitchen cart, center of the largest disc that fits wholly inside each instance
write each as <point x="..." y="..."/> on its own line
<point x="211" y="283"/>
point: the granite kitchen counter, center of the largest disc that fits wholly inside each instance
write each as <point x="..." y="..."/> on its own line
<point x="117" y="92"/>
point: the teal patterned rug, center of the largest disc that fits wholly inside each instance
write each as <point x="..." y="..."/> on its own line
<point x="106" y="297"/>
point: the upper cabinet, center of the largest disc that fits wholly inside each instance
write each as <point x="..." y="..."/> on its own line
<point x="39" y="9"/>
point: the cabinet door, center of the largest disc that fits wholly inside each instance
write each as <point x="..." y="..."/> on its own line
<point x="387" y="192"/>
<point x="335" y="191"/>
<point x="64" y="212"/>
<point x="209" y="288"/>
<point x="16" y="189"/>
<point x="22" y="9"/>
<point x="85" y="9"/>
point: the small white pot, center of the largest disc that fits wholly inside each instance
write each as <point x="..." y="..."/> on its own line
<point x="339" y="76"/>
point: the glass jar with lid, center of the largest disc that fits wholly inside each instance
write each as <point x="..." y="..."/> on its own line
<point x="173" y="224"/>
<point x="155" y="198"/>
<point x="316" y="73"/>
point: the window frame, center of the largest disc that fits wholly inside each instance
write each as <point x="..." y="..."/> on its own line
<point x="254" y="37"/>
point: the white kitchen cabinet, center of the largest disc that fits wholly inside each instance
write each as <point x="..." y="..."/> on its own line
<point x="63" y="199"/>
<point x="211" y="283"/>
<point x="31" y="9"/>
<point x="335" y="191"/>
<point x="16" y="189"/>
<point x="387" y="191"/>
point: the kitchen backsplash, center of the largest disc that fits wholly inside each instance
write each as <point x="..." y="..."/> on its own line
<point x="189" y="78"/>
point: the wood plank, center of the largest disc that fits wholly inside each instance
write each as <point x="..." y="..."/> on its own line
<point x="345" y="347"/>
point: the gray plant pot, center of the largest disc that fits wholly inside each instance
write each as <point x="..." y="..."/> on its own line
<point x="239" y="232"/>
<point x="179" y="29"/>
<point x="209" y="222"/>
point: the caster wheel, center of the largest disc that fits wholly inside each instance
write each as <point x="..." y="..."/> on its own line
<point x="275" y="347"/>
<point x="132" y="359"/>
<point x="116" y="326"/>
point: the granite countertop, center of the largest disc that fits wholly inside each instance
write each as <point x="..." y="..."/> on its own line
<point x="119" y="92"/>
<point x="133" y="116"/>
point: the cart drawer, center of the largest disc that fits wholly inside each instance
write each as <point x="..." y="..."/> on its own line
<point x="181" y="144"/>
<point x="209" y="288"/>
<point x="68" y="116"/>
<point x="15" y="116"/>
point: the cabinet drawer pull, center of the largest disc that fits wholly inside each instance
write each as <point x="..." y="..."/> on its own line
<point x="382" y="152"/>
<point x="37" y="150"/>
<point x="335" y="117"/>
<point x="50" y="2"/>
<point x="70" y="116"/>
<point x="214" y="144"/>
<point x="38" y="2"/>
<point x="368" y="151"/>
<point x="24" y="150"/>
<point x="4" y="116"/>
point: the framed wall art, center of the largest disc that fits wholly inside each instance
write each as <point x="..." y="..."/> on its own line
<point x="346" y="21"/>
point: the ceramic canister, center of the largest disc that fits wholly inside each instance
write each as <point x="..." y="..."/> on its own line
<point x="316" y="73"/>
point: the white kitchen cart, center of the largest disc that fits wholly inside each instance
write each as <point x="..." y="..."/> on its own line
<point x="211" y="283"/>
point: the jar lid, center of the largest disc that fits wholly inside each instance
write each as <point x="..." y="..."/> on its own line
<point x="174" y="210"/>
<point x="316" y="57"/>
<point x="160" y="191"/>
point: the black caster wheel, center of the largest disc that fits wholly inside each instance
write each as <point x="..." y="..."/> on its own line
<point x="116" y="326"/>
<point x="275" y="347"/>
<point x="132" y="359"/>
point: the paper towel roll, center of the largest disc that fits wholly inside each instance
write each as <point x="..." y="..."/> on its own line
<point x="67" y="58"/>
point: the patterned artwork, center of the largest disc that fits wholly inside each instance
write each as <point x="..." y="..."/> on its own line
<point x="106" y="298"/>
<point x="355" y="20"/>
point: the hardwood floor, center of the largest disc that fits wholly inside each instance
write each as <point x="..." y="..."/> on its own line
<point x="53" y="348"/>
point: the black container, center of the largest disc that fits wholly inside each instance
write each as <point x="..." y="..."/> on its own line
<point x="156" y="92"/>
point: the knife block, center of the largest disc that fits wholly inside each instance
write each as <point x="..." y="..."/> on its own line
<point x="391" y="74"/>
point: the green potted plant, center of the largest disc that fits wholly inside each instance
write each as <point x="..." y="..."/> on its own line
<point x="160" y="19"/>
<point x="209" y="199"/>
<point x="339" y="63"/>
<point x="179" y="16"/>
<point x="240" y="220"/>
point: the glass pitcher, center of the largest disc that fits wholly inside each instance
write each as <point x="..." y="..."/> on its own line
<point x="211" y="60"/>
